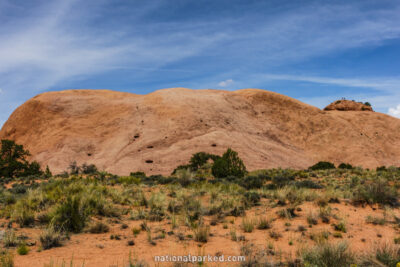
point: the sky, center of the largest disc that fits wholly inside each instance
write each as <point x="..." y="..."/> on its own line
<point x="314" y="51"/>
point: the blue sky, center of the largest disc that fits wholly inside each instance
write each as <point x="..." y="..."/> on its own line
<point x="315" y="51"/>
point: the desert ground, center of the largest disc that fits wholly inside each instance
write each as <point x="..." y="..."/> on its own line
<point x="273" y="217"/>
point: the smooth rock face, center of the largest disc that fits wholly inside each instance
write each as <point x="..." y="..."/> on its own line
<point x="122" y="132"/>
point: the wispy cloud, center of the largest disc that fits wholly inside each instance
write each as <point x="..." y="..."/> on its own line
<point x="395" y="112"/>
<point x="226" y="83"/>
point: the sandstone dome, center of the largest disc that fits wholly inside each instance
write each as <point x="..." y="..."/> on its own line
<point x="124" y="132"/>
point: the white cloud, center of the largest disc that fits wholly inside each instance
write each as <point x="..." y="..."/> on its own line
<point x="226" y="83"/>
<point x="395" y="112"/>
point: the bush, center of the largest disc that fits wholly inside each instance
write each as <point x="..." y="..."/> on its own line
<point x="22" y="249"/>
<point x="229" y="165"/>
<point x="199" y="159"/>
<point x="328" y="255"/>
<point x="201" y="233"/>
<point x="263" y="224"/>
<point x="6" y="259"/>
<point x="70" y="215"/>
<point x="376" y="192"/>
<point x="50" y="239"/>
<point x="252" y="198"/>
<point x="248" y="225"/>
<point x="322" y="165"/>
<point x="99" y="228"/>
<point x="89" y="169"/>
<point x="345" y="166"/>
<point x="384" y="255"/>
<point x="253" y="182"/>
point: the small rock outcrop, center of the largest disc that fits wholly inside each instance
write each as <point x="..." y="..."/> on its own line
<point x="349" y="105"/>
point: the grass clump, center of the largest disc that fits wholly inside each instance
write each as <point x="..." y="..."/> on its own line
<point x="263" y="224"/>
<point x="201" y="233"/>
<point x="98" y="228"/>
<point x="6" y="258"/>
<point x="70" y="215"/>
<point x="328" y="255"/>
<point x="22" y="249"/>
<point x="375" y="220"/>
<point x="50" y="238"/>
<point x="248" y="225"/>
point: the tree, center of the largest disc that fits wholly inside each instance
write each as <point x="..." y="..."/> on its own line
<point x="13" y="160"/>
<point x="322" y="165"/>
<point x="228" y="165"/>
<point x="48" y="173"/>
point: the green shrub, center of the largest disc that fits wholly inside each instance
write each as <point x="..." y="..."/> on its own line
<point x="263" y="224"/>
<point x="252" y="198"/>
<point x="341" y="227"/>
<point x="201" y="233"/>
<point x="229" y="165"/>
<point x="376" y="192"/>
<point x="6" y="258"/>
<point x="345" y="166"/>
<point x="22" y="214"/>
<point x="50" y="238"/>
<point x="98" y="228"/>
<point x="199" y="159"/>
<point x="328" y="255"/>
<point x="248" y="225"/>
<point x="384" y="255"/>
<point x="322" y="165"/>
<point x="9" y="239"/>
<point x="22" y="249"/>
<point x="70" y="215"/>
<point x="252" y="182"/>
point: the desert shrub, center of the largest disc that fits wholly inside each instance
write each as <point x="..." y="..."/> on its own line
<point x="199" y="159"/>
<point x="88" y="168"/>
<point x="252" y="182"/>
<point x="50" y="238"/>
<point x="282" y="179"/>
<point x="70" y="215"/>
<point x="6" y="258"/>
<point x="375" y="220"/>
<point x="98" y="228"/>
<point x="252" y="198"/>
<point x="312" y="218"/>
<point x="128" y="180"/>
<point x="328" y="255"/>
<point x="381" y="168"/>
<point x="229" y="165"/>
<point x="22" y="249"/>
<point x="322" y="165"/>
<point x="74" y="168"/>
<point x="308" y="184"/>
<point x="376" y="192"/>
<point x="248" y="225"/>
<point x="9" y="239"/>
<point x="383" y="255"/>
<point x="345" y="166"/>
<point x="185" y="177"/>
<point x="341" y="227"/>
<point x="138" y="174"/>
<point x="201" y="233"/>
<point x="22" y="214"/>
<point x="156" y="204"/>
<point x="263" y="224"/>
